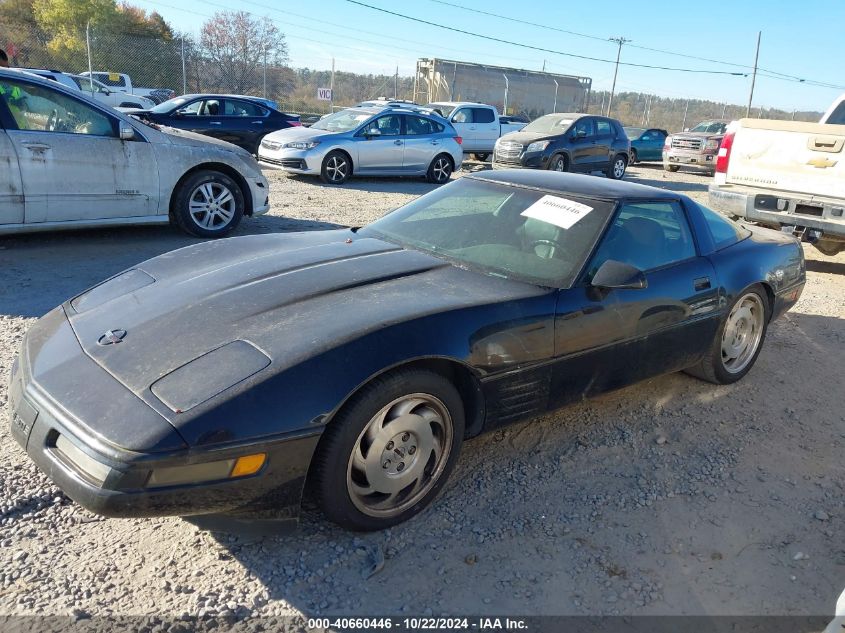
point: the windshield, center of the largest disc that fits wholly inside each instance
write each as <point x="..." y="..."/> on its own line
<point x="442" y="108"/>
<point x="710" y="127"/>
<point x="549" y="124"/>
<point x="503" y="230"/>
<point x="171" y="104"/>
<point x="342" y="121"/>
<point x="634" y="132"/>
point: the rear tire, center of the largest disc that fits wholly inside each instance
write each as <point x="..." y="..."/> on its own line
<point x="440" y="170"/>
<point x="738" y="341"/>
<point x="617" y="167"/>
<point x="389" y="451"/>
<point x="336" y="168"/>
<point x="634" y="157"/>
<point x="208" y="204"/>
<point x="672" y="168"/>
<point x="481" y="157"/>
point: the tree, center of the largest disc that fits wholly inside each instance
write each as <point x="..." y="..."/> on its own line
<point x="236" y="47"/>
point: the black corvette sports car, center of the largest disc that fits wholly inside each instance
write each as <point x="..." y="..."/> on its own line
<point x="222" y="376"/>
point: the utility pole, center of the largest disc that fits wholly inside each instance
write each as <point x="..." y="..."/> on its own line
<point x="265" y="71"/>
<point x="184" y="76"/>
<point x="684" y="123"/>
<point x="620" y="41"/>
<point x="331" y="89"/>
<point x="396" y="83"/>
<point x="724" y="109"/>
<point x="753" y="76"/>
<point x="88" y="46"/>
<point x="602" y="104"/>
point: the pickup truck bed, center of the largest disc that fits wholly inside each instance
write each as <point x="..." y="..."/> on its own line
<point x="786" y="175"/>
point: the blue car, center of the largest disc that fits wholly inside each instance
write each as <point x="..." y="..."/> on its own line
<point x="646" y="144"/>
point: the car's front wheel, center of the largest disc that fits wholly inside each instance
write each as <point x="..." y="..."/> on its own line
<point x="738" y="342"/>
<point x="336" y="168"/>
<point x="389" y="451"/>
<point x="672" y="168"/>
<point x="208" y="204"/>
<point x="559" y="163"/>
<point x="481" y="156"/>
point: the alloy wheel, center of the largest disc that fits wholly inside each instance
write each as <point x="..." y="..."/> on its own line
<point x="212" y="205"/>
<point x="743" y="333"/>
<point x="399" y="456"/>
<point x="336" y="168"/>
<point x="442" y="169"/>
<point x="619" y="168"/>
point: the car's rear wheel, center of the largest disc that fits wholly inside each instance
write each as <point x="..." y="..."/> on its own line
<point x="634" y="157"/>
<point x="559" y="163"/>
<point x="738" y="341"/>
<point x="389" y="451"/>
<point x="672" y="168"/>
<point x="482" y="156"/>
<point x="336" y="168"/>
<point x="208" y="204"/>
<point x="440" y="169"/>
<point x="617" y="167"/>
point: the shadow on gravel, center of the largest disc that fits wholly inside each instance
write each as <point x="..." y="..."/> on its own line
<point x="820" y="266"/>
<point x="665" y="183"/>
<point x="40" y="270"/>
<point x="373" y="185"/>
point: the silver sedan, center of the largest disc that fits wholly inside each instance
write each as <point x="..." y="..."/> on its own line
<point x="367" y="142"/>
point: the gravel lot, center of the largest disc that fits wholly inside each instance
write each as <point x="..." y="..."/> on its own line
<point x="670" y="497"/>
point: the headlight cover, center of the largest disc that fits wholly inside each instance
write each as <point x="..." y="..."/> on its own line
<point x="537" y="146"/>
<point x="302" y="145"/>
<point x="712" y="144"/>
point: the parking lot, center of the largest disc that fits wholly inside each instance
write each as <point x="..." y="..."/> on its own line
<point x="674" y="496"/>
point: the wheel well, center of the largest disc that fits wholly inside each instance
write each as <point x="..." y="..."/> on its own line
<point x="222" y="168"/>
<point x="348" y="157"/>
<point x="770" y="297"/>
<point x="448" y="156"/>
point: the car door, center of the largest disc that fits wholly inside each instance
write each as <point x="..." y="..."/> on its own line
<point x="73" y="165"/>
<point x="203" y="116"/>
<point x="651" y="145"/>
<point x="582" y="139"/>
<point x="668" y="325"/>
<point x="381" y="146"/>
<point x="603" y="144"/>
<point x="486" y="128"/>
<point x="11" y="187"/>
<point x="464" y="123"/>
<point x="422" y="143"/>
<point x="243" y="123"/>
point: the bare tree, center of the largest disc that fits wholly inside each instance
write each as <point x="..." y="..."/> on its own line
<point x="236" y="47"/>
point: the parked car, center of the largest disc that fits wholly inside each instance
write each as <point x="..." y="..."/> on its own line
<point x="217" y="378"/>
<point x="478" y="124"/>
<point x="383" y="102"/>
<point x="237" y="119"/>
<point x="367" y="142"/>
<point x="646" y="143"/>
<point x="66" y="79"/>
<point x="567" y="142"/>
<point x="72" y="162"/>
<point x="123" y="82"/>
<point x="113" y="98"/>
<point x="695" y="148"/>
<point x="787" y="175"/>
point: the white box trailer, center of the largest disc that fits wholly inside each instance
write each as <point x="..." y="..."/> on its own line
<point x="511" y="90"/>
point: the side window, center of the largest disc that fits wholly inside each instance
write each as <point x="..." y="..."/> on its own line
<point x="603" y="128"/>
<point x="115" y="80"/>
<point x="40" y="109"/>
<point x="243" y="108"/>
<point x="837" y="117"/>
<point x="482" y="115"/>
<point x="390" y="125"/>
<point x="724" y="231"/>
<point x="418" y="125"/>
<point x="464" y="115"/>
<point x="646" y="235"/>
<point x="583" y="128"/>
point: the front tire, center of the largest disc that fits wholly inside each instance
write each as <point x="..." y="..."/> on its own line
<point x="336" y="168"/>
<point x="617" y="168"/>
<point x="389" y="451"/>
<point x="440" y="169"/>
<point x="738" y="341"/>
<point x="672" y="168"/>
<point x="559" y="163"/>
<point x="481" y="157"/>
<point x="208" y="204"/>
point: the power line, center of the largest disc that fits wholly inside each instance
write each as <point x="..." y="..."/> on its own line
<point x="539" y="48"/>
<point x="772" y="74"/>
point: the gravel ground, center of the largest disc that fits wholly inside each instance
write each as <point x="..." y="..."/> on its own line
<point x="670" y="497"/>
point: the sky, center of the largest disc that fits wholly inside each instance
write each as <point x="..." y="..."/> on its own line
<point x="799" y="39"/>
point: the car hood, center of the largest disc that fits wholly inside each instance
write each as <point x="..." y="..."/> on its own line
<point x="298" y="133"/>
<point x="290" y="296"/>
<point x="698" y="135"/>
<point x="192" y="139"/>
<point x="527" y="137"/>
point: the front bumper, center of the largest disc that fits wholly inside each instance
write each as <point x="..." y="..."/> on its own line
<point x="693" y="160"/>
<point x="260" y="190"/>
<point x="61" y="412"/>
<point x="534" y="160"/>
<point x="780" y="208"/>
<point x="296" y="161"/>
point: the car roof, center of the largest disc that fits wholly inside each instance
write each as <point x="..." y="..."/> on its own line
<point x="575" y="184"/>
<point x="460" y="103"/>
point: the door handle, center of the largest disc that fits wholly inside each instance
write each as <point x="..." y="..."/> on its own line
<point x="397" y="142"/>
<point x="35" y="147"/>
<point x="258" y="122"/>
<point x="472" y="128"/>
<point x="214" y="123"/>
<point x="702" y="283"/>
<point x="435" y="142"/>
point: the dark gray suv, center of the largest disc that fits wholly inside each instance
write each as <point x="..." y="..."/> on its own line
<point x="567" y="142"/>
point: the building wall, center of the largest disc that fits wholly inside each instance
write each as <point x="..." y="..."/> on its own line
<point x="528" y="92"/>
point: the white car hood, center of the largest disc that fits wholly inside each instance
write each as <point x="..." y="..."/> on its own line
<point x="183" y="137"/>
<point x="297" y="133"/>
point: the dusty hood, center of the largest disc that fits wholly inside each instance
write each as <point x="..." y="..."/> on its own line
<point x="296" y="133"/>
<point x="183" y="137"/>
<point x="290" y="296"/>
<point x="526" y="137"/>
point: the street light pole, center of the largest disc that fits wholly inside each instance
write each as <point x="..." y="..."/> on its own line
<point x="753" y="76"/>
<point x="620" y="41"/>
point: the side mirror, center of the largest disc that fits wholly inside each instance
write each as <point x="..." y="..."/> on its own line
<point x="619" y="275"/>
<point x="127" y="132"/>
<point x="372" y="132"/>
<point x="686" y="129"/>
<point x="579" y="134"/>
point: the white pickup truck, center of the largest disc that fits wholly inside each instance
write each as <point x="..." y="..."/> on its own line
<point x="786" y="175"/>
<point x="123" y="83"/>
<point x="479" y="125"/>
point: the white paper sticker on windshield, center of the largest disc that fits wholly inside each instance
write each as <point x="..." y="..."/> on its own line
<point x="558" y="211"/>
